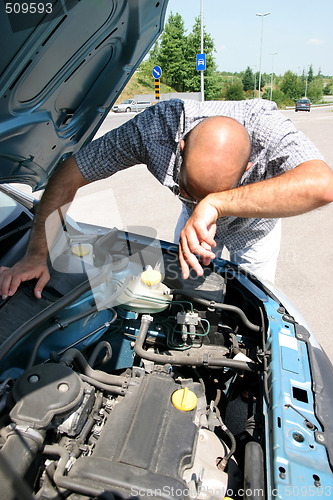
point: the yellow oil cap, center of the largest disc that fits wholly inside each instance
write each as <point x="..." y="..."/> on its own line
<point x="151" y="277"/>
<point x="184" y="399"/>
<point x="81" y="250"/>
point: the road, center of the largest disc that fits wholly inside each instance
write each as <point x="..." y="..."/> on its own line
<point x="305" y="266"/>
<point x="135" y="200"/>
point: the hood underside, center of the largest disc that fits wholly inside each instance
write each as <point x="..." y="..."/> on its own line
<point x="60" y="73"/>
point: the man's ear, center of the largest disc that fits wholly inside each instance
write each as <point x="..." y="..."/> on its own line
<point x="182" y="144"/>
<point x="249" y="165"/>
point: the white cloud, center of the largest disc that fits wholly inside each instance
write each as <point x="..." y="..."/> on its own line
<point x="315" y="41"/>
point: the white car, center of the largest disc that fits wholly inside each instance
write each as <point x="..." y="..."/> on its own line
<point x="131" y="105"/>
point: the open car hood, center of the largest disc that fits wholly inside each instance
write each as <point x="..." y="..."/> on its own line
<point x="61" y="72"/>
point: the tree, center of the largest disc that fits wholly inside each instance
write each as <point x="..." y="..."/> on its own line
<point x="315" y="90"/>
<point x="146" y="67"/>
<point x="328" y="89"/>
<point x="292" y="86"/>
<point x="277" y="96"/>
<point x="248" y="79"/>
<point x="171" y="56"/>
<point x="235" y="92"/>
<point x="310" y="74"/>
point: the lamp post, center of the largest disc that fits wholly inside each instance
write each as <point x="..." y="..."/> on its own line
<point x="262" y="30"/>
<point x="272" y="54"/>
<point x="306" y="81"/>
<point x="202" y="50"/>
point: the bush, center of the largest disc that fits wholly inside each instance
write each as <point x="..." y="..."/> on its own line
<point x="279" y="97"/>
<point x="235" y="92"/>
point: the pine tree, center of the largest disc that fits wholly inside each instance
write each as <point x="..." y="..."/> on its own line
<point x="248" y="79"/>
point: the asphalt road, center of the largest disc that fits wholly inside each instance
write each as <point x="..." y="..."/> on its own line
<point x="135" y="200"/>
<point x="305" y="267"/>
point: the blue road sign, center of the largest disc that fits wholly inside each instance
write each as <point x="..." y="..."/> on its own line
<point x="157" y="72"/>
<point x="201" y="62"/>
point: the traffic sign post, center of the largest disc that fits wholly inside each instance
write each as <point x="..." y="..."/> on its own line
<point x="157" y="89"/>
<point x="157" y="72"/>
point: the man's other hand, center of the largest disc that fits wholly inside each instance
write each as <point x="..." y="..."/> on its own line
<point x="26" y="269"/>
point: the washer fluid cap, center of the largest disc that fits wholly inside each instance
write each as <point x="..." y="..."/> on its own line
<point x="151" y="277"/>
<point x="184" y="399"/>
<point x="81" y="250"/>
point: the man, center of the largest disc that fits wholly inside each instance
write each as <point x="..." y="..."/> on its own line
<point x="239" y="167"/>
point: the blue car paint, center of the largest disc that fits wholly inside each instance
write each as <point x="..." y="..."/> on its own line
<point x="294" y="468"/>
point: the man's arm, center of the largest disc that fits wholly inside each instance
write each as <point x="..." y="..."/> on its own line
<point x="304" y="188"/>
<point x="59" y="193"/>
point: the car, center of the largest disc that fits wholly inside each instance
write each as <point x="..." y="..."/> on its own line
<point x="303" y="105"/>
<point x="131" y="105"/>
<point x="125" y="380"/>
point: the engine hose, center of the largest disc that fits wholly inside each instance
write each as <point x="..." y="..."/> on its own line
<point x="12" y="485"/>
<point x="113" y="389"/>
<point x="98" y="349"/>
<point x="18" y="453"/>
<point x="81" y="439"/>
<point x="220" y="306"/>
<point x="190" y="357"/>
<point x="53" y="329"/>
<point x="106" y="378"/>
<point x="65" y="482"/>
<point x="223" y="463"/>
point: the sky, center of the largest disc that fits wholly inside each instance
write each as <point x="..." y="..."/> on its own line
<point x="300" y="31"/>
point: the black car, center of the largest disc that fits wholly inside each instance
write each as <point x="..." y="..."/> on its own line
<point x="303" y="105"/>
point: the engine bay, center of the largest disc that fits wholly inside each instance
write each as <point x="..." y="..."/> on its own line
<point x="128" y="381"/>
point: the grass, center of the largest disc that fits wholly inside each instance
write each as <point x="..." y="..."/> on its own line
<point x="139" y="86"/>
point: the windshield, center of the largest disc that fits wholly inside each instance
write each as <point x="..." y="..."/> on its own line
<point x="8" y="208"/>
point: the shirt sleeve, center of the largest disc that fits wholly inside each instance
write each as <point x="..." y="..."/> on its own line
<point x="116" y="150"/>
<point x="140" y="140"/>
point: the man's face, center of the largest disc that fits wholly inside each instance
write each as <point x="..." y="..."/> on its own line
<point x="183" y="186"/>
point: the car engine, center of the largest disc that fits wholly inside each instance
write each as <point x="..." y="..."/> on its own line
<point x="133" y="382"/>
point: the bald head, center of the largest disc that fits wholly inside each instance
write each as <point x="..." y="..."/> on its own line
<point x="215" y="155"/>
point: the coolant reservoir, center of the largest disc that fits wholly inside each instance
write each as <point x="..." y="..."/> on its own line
<point x="146" y="293"/>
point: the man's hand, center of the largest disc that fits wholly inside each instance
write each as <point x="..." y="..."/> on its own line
<point x="26" y="269"/>
<point x="59" y="193"/>
<point x="197" y="238"/>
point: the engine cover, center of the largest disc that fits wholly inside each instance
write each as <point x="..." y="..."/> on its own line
<point x="145" y="445"/>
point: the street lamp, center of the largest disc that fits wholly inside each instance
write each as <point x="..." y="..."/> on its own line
<point x="262" y="30"/>
<point x="272" y="54"/>
<point x="202" y="85"/>
<point x="306" y="86"/>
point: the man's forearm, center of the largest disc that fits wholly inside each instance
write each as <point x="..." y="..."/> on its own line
<point x="306" y="187"/>
<point x="55" y="201"/>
